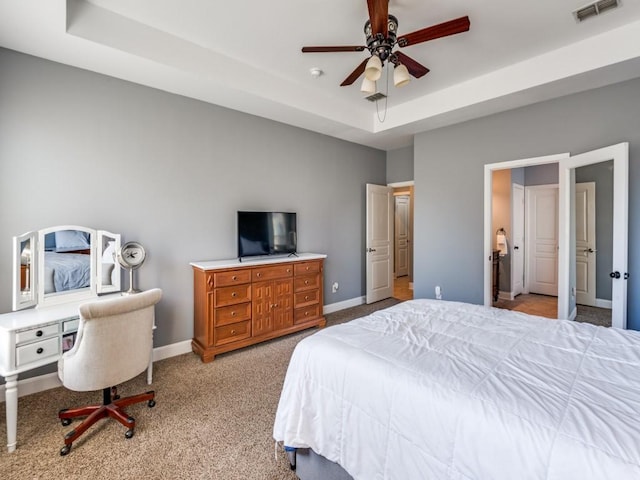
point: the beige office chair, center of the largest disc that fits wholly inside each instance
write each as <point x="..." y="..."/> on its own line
<point x="114" y="344"/>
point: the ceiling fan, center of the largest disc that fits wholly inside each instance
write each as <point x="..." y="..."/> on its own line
<point x="381" y="33"/>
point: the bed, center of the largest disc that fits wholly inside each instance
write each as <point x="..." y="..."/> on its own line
<point x="440" y="390"/>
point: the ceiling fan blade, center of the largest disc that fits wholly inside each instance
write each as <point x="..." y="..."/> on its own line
<point x="445" y="29"/>
<point x="356" y="73"/>
<point x="358" y="48"/>
<point x="415" y="68"/>
<point x="379" y="16"/>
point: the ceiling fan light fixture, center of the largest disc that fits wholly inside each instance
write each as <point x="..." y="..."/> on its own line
<point x="368" y="86"/>
<point x="401" y="75"/>
<point x="373" y="70"/>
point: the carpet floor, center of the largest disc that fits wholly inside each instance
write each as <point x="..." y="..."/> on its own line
<point x="211" y="421"/>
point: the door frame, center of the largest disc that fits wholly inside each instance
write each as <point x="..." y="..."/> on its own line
<point x="519" y="243"/>
<point x="488" y="198"/>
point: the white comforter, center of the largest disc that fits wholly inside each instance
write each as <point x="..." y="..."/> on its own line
<point x="444" y="390"/>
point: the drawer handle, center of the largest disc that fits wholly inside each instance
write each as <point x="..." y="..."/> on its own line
<point x="306" y="282"/>
<point x="40" y="350"/>
<point x="258" y="274"/>
<point x="234" y="278"/>
<point x="39" y="334"/>
<point x="233" y="314"/>
<point x="307" y="269"/>
<point x="233" y="332"/>
<point x="306" y="313"/>
<point x="234" y="294"/>
<point x="306" y="297"/>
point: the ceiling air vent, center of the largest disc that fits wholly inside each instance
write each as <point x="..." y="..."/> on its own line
<point x="594" y="9"/>
<point x="375" y="97"/>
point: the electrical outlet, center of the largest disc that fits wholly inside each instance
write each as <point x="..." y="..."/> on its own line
<point x="334" y="287"/>
<point x="438" y="292"/>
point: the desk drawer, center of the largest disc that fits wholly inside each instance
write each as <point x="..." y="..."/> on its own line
<point x="233" y="332"/>
<point x="310" y="297"/>
<point x="232" y="314"/>
<point x="232" y="295"/>
<point x="224" y="279"/>
<point x="37" y="351"/>
<point x="306" y="282"/>
<point x="42" y="331"/>
<point x="270" y="273"/>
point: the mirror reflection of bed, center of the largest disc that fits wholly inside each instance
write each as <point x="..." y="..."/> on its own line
<point x="64" y="263"/>
<point x="67" y="260"/>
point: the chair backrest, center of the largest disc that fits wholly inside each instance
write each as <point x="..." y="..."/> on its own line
<point x="113" y="344"/>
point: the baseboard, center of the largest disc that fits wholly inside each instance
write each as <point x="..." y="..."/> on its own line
<point x="502" y="295"/>
<point x="50" y="380"/>
<point x="172" y="350"/>
<point x="600" y="303"/>
<point x="335" y="307"/>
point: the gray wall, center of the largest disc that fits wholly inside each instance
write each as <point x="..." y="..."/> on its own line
<point x="170" y="172"/>
<point x="400" y="165"/>
<point x="449" y="168"/>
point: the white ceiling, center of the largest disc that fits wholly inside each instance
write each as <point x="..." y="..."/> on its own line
<point x="245" y="55"/>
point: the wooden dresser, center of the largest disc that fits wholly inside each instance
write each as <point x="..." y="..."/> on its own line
<point x="237" y="304"/>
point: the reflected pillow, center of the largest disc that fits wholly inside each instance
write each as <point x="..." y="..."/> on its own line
<point x="72" y="240"/>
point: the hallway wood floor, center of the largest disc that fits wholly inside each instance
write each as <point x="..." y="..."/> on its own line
<point x="401" y="289"/>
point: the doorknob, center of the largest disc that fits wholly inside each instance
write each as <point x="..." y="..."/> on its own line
<point x="371" y="249"/>
<point x="516" y="247"/>
<point x="589" y="250"/>
<point x="615" y="274"/>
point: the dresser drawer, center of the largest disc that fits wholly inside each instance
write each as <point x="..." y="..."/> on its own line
<point x="232" y="314"/>
<point x="37" y="351"/>
<point x="233" y="332"/>
<point x="305" y="314"/>
<point x="237" y="277"/>
<point x="232" y="295"/>
<point x="306" y="282"/>
<point x="310" y="297"/>
<point x="307" y="267"/>
<point x="269" y="273"/>
<point x="36" y="333"/>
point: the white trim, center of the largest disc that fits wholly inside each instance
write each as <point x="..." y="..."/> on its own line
<point x="408" y="183"/>
<point x="574" y="313"/>
<point x="502" y="295"/>
<point x="601" y="303"/>
<point x="172" y="350"/>
<point x="335" y="307"/>
<point x="488" y="198"/>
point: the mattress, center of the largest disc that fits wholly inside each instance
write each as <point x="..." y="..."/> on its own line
<point x="431" y="389"/>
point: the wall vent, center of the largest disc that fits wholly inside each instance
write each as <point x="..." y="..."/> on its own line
<point x="594" y="9"/>
<point x="375" y="97"/>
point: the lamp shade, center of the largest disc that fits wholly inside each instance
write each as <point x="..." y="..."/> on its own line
<point x="368" y="86"/>
<point x="400" y="75"/>
<point x="373" y="70"/>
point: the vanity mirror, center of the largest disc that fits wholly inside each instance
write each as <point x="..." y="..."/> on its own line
<point x="64" y="264"/>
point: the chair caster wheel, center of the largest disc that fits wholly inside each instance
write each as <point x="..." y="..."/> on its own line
<point x="65" y="450"/>
<point x="152" y="403"/>
<point x="65" y="422"/>
<point x="129" y="433"/>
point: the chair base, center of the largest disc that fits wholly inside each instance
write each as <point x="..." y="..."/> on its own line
<point x="112" y="406"/>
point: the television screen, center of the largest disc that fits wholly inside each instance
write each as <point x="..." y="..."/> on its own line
<point x="266" y="233"/>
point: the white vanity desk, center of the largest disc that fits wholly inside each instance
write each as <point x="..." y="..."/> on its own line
<point x="32" y="338"/>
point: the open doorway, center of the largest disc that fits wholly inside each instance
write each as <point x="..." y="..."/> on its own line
<point x="403" y="241"/>
<point x="565" y="252"/>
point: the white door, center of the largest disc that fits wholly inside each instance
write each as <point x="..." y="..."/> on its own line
<point x="379" y="242"/>
<point x="542" y="226"/>
<point x="586" y="243"/>
<point x="402" y="235"/>
<point x="518" y="247"/>
<point x="620" y="155"/>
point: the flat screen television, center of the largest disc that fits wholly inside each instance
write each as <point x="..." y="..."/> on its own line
<point x="266" y="233"/>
